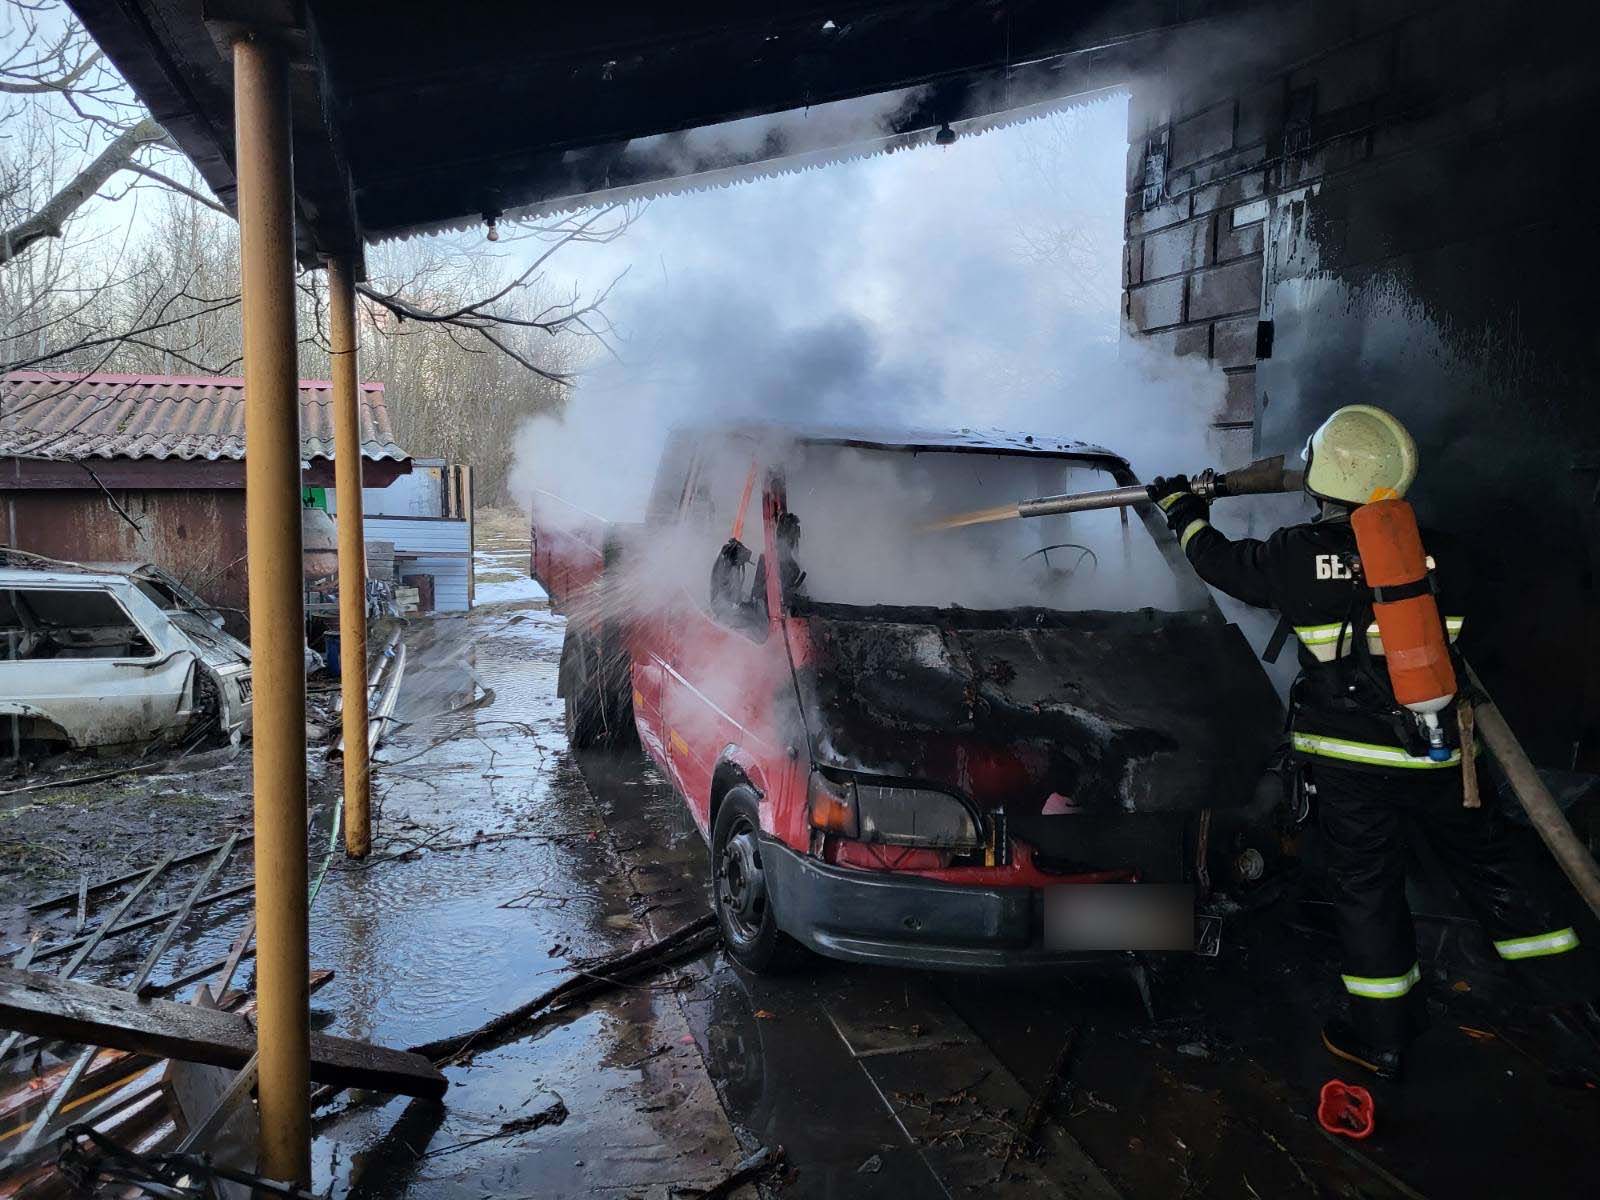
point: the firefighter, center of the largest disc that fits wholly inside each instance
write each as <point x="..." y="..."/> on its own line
<point x="1369" y="763"/>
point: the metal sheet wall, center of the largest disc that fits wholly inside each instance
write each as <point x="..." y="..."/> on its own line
<point x="197" y="534"/>
<point x="419" y="494"/>
<point x="449" y="580"/>
<point x="429" y="546"/>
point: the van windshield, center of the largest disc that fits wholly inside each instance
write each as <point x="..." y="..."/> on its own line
<point x="863" y="517"/>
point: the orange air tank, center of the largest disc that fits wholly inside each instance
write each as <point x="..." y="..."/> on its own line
<point x="1414" y="643"/>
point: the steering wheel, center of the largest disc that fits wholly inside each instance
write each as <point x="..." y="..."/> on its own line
<point x="1083" y="553"/>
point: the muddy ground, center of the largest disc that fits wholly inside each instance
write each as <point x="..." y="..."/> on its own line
<point x="502" y="860"/>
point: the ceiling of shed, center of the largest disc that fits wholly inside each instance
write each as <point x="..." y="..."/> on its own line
<point x="413" y="116"/>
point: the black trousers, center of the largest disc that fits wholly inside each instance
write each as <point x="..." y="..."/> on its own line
<point x="1362" y="815"/>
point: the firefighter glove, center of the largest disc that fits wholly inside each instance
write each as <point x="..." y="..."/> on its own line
<point x="1177" y="502"/>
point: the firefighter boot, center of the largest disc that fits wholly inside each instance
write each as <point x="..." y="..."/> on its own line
<point x="1342" y="1041"/>
<point x="1575" y="1038"/>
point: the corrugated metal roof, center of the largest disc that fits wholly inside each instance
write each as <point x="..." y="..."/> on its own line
<point x="49" y="414"/>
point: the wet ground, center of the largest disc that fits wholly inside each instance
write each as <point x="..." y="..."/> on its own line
<point x="502" y="861"/>
<point x="510" y="877"/>
<point x="875" y="1082"/>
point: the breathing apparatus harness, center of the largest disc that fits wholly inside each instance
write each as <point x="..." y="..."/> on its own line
<point x="1419" y="711"/>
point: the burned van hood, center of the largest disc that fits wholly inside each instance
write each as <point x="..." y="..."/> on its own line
<point x="1039" y="710"/>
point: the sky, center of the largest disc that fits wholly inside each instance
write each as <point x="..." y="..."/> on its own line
<point x="976" y="284"/>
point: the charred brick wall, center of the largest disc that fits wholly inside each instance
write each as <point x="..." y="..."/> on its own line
<point x="1193" y="257"/>
<point x="1394" y="203"/>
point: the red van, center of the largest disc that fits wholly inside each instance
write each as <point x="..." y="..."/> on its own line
<point x="1012" y="744"/>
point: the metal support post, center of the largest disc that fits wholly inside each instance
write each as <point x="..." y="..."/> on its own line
<point x="277" y="613"/>
<point x="352" y="553"/>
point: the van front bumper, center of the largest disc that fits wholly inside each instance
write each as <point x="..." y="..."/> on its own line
<point x="906" y="920"/>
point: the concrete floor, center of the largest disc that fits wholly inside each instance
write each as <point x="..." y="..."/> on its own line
<point x="875" y="1082"/>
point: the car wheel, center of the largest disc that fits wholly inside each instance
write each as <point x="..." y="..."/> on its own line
<point x="739" y="889"/>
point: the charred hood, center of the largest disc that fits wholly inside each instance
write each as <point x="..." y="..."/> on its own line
<point x="1040" y="710"/>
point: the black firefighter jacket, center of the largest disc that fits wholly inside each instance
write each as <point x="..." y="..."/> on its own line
<point x="1342" y="706"/>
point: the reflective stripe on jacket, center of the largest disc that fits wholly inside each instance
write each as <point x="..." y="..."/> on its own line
<point x="1367" y="754"/>
<point x="1329" y="642"/>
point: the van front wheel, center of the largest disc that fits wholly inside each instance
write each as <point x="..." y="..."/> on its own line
<point x="739" y="889"/>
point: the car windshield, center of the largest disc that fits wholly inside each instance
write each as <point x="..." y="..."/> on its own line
<point x="864" y="537"/>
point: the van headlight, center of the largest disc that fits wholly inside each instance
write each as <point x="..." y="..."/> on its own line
<point x="892" y="814"/>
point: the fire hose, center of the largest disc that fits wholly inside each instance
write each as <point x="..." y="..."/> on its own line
<point x="1263" y="477"/>
<point x="1563" y="842"/>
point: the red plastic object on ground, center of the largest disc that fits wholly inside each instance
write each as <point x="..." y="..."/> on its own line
<point x="1345" y="1109"/>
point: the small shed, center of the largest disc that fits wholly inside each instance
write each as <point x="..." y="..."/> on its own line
<point x="151" y="468"/>
<point x="425" y="518"/>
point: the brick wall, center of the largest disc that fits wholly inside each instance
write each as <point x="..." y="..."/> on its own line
<point x="1192" y="263"/>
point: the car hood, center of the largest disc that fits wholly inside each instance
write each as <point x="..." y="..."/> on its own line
<point x="218" y="648"/>
<point x="1043" y="711"/>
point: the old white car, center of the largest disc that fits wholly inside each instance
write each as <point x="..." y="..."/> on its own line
<point x="89" y="659"/>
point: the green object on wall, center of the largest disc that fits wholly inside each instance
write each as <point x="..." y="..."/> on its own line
<point x="314" y="497"/>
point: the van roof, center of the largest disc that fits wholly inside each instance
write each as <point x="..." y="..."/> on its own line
<point x="891" y="437"/>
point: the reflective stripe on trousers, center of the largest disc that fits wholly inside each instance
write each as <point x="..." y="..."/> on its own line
<point x="1345" y="750"/>
<point x="1391" y="987"/>
<point x="1557" y="941"/>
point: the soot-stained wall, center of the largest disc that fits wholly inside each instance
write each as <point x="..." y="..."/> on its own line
<point x="1395" y="204"/>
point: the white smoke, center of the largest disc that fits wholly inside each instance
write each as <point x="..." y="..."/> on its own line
<point x="971" y="286"/>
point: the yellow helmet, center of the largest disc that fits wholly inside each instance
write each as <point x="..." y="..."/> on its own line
<point x="1358" y="451"/>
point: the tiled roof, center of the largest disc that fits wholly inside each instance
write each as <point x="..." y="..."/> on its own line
<point x="48" y="414"/>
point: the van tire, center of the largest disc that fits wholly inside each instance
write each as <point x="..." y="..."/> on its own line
<point x="581" y="707"/>
<point x="597" y="711"/>
<point x="744" y="911"/>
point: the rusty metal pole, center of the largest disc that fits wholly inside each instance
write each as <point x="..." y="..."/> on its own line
<point x="352" y="553"/>
<point x="277" y="614"/>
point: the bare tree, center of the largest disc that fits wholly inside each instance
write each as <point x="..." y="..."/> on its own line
<point x="60" y="101"/>
<point x="114" y="257"/>
<point x="503" y="310"/>
<point x="77" y="290"/>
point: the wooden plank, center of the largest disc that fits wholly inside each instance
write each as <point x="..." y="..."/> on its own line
<point x="147" y="968"/>
<point x="102" y="1016"/>
<point x="110" y="1067"/>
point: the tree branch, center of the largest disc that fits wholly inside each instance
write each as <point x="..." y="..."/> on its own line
<point x="168" y="182"/>
<point x="50" y="221"/>
<point x="34" y="87"/>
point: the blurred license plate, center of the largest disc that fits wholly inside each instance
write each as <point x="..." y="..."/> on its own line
<point x="1119" y="916"/>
